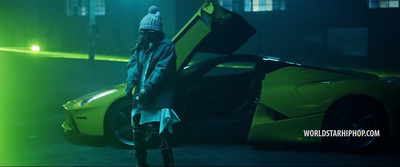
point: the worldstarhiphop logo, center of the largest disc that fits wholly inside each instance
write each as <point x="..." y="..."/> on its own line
<point x="341" y="133"/>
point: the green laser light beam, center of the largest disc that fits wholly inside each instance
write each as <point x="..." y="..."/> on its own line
<point x="35" y="51"/>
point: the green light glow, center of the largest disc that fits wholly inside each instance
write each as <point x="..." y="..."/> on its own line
<point x="35" y="48"/>
<point x="235" y="66"/>
<point x="21" y="71"/>
<point x="111" y="58"/>
<point x="65" y="55"/>
<point x="5" y="122"/>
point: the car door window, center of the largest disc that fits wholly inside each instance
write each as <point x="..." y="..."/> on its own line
<point x="197" y="62"/>
<point x="222" y="90"/>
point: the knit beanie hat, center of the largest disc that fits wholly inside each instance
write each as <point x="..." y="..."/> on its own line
<point x="152" y="21"/>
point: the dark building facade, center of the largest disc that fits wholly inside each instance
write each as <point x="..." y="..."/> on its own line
<point x="348" y="33"/>
<point x="356" y="33"/>
<point x="339" y="33"/>
<point x="63" y="25"/>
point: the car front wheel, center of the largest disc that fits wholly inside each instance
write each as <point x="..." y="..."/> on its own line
<point x="117" y="127"/>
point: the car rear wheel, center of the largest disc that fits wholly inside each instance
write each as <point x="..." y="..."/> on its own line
<point x="118" y="128"/>
<point x="356" y="113"/>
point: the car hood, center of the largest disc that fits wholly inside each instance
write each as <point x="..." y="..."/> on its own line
<point x="102" y="97"/>
<point x="212" y="29"/>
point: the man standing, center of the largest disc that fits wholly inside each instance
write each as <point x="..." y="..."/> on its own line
<point x="152" y="71"/>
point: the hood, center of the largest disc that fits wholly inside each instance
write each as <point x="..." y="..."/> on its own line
<point x="212" y="29"/>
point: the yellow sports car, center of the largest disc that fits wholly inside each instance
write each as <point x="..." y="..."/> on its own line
<point x="252" y="97"/>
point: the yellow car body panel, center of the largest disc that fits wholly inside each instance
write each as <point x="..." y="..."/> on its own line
<point x="266" y="128"/>
<point x="189" y="37"/>
<point x="303" y="95"/>
<point x="280" y="88"/>
<point x="88" y="118"/>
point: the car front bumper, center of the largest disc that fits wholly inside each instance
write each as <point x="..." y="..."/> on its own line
<point x="69" y="125"/>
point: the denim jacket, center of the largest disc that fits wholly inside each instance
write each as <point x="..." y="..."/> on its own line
<point x="160" y="77"/>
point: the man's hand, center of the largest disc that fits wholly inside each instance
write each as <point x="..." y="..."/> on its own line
<point x="128" y="90"/>
<point x="142" y="96"/>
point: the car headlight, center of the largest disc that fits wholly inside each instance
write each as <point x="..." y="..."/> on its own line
<point x="97" y="96"/>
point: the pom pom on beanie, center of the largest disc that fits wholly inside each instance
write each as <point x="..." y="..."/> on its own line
<point x="152" y="21"/>
<point x="153" y="9"/>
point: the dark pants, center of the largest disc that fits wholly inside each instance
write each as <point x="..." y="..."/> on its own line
<point x="146" y="136"/>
